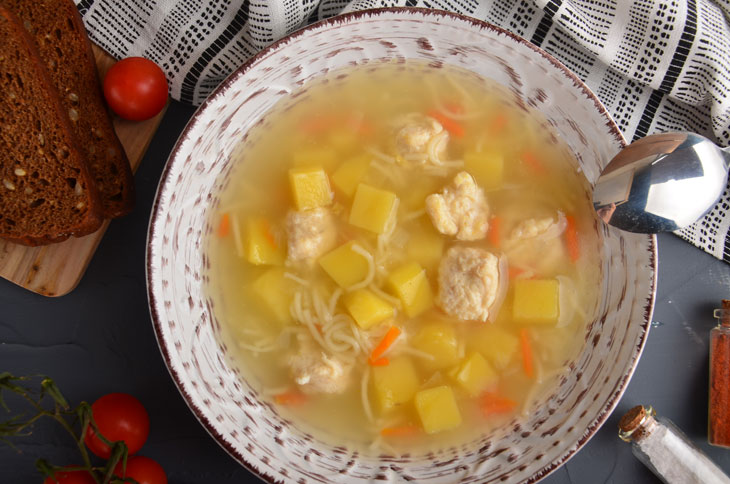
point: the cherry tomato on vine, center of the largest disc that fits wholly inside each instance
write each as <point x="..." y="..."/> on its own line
<point x="70" y="477"/>
<point x="143" y="470"/>
<point x="119" y="416"/>
<point x="135" y="88"/>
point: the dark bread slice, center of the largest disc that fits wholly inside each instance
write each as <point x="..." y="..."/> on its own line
<point x="46" y="191"/>
<point x="60" y="36"/>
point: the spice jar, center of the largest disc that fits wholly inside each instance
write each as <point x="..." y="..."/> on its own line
<point x="718" y="425"/>
<point x="664" y="449"/>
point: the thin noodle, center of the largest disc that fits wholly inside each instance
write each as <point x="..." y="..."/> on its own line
<point x="297" y="279"/>
<point x="371" y="268"/>
<point x="433" y="145"/>
<point x="409" y="350"/>
<point x="380" y="155"/>
<point x="413" y="215"/>
<point x="333" y="299"/>
<point x="416" y="157"/>
<point x="384" y="295"/>
<point x="257" y="348"/>
<point x="364" y="394"/>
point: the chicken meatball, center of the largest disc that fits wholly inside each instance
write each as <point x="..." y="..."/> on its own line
<point x="310" y="233"/>
<point x="317" y="372"/>
<point x="547" y="228"/>
<point x="468" y="283"/>
<point x="460" y="209"/>
<point x="416" y="131"/>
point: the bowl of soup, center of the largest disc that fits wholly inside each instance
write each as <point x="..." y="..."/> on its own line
<point x="373" y="256"/>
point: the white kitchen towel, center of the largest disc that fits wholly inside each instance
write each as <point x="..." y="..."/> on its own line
<point x="657" y="65"/>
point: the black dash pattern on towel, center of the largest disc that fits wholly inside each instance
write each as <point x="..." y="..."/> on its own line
<point x="657" y="65"/>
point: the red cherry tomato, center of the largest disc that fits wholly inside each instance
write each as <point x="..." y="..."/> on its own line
<point x="70" y="477"/>
<point x="143" y="470"/>
<point x="119" y="416"/>
<point x="135" y="88"/>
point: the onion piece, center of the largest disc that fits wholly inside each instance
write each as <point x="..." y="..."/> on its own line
<point x="503" y="268"/>
<point x="566" y="301"/>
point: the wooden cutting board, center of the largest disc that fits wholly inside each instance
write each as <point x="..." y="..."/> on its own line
<point x="54" y="270"/>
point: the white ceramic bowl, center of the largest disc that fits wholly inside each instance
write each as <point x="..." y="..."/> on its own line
<point x="185" y="322"/>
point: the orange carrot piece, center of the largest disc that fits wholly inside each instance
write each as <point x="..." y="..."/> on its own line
<point x="492" y="403"/>
<point x="269" y="235"/>
<point x="449" y="124"/>
<point x="514" y="272"/>
<point x="527" y="363"/>
<point x="318" y="124"/>
<point x="385" y="343"/>
<point x="290" y="398"/>
<point x="382" y="361"/>
<point x="495" y="228"/>
<point x="497" y="124"/>
<point x="400" y="431"/>
<point x="571" y="238"/>
<point x="225" y="226"/>
<point x="533" y="162"/>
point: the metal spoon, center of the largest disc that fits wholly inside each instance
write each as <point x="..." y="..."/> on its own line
<point x="661" y="183"/>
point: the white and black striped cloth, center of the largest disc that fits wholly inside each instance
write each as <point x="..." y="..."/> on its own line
<point x="657" y="65"/>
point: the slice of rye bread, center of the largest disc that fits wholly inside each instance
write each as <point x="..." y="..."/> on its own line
<point x="60" y="36"/>
<point x="46" y="190"/>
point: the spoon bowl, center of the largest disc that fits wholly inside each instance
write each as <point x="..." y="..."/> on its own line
<point x="661" y="183"/>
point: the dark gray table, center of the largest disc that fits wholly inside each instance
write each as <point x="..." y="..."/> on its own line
<point x="99" y="339"/>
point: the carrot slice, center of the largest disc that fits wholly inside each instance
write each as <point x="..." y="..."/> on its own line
<point x="400" y="431"/>
<point x="571" y="238"/>
<point x="495" y="228"/>
<point x="224" y="228"/>
<point x="385" y="343"/>
<point x="533" y="162"/>
<point x="290" y="398"/>
<point x="492" y="403"/>
<point x="527" y="363"/>
<point x="497" y="124"/>
<point x="382" y="361"/>
<point x="449" y="124"/>
<point x="269" y="235"/>
<point x="514" y="272"/>
<point x="318" y="124"/>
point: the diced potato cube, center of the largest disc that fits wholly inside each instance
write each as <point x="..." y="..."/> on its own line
<point x="367" y="308"/>
<point x="372" y="208"/>
<point x="310" y="187"/>
<point x="437" y="409"/>
<point x="394" y="384"/>
<point x="410" y="284"/>
<point x="495" y="344"/>
<point x="349" y="174"/>
<point x="261" y="246"/>
<point x="320" y="157"/>
<point x="345" y="266"/>
<point x="438" y="340"/>
<point x="486" y="167"/>
<point x="475" y="374"/>
<point x="536" y="301"/>
<point x="426" y="246"/>
<point x="275" y="293"/>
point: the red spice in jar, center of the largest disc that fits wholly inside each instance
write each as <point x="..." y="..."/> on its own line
<point x="719" y="404"/>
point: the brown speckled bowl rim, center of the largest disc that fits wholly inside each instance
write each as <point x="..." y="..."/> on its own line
<point x="343" y="18"/>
